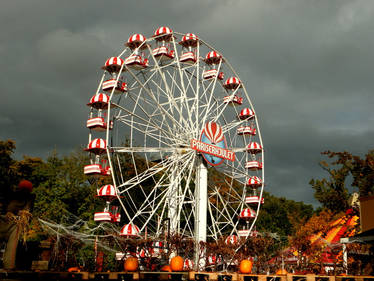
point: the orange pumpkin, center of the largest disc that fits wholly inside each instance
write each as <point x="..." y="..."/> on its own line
<point x="281" y="271"/>
<point x="74" y="269"/>
<point x="131" y="264"/>
<point x="176" y="263"/>
<point x="166" y="268"/>
<point x="246" y="266"/>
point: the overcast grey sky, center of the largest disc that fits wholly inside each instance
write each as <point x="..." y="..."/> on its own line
<point x="308" y="66"/>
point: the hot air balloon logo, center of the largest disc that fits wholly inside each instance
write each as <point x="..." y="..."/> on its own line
<point x="212" y="145"/>
<point x="213" y="132"/>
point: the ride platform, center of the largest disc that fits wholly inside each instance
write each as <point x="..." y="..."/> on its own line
<point x="176" y="276"/>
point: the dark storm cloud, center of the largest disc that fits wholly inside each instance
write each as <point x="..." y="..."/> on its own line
<point x="306" y="64"/>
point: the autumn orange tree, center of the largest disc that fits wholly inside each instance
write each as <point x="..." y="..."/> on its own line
<point x="302" y="242"/>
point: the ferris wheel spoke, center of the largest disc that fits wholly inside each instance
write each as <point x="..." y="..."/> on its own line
<point x="211" y="94"/>
<point x="172" y="104"/>
<point x="168" y="93"/>
<point x="152" y="132"/>
<point x="182" y="88"/>
<point x="183" y="100"/>
<point x="153" y="97"/>
<point x="149" y="121"/>
<point x="213" y="228"/>
<point x="149" y="196"/>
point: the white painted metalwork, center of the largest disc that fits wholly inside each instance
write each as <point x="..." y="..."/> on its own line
<point x="156" y="174"/>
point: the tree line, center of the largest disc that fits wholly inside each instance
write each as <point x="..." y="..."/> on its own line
<point x="61" y="188"/>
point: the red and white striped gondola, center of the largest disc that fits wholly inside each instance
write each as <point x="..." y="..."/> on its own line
<point x="141" y="253"/>
<point x="98" y="124"/>
<point x="233" y="100"/>
<point x="92" y="170"/>
<point x="188" y="58"/>
<point x="136" y="40"/>
<point x="246" y="233"/>
<point x="213" y="58"/>
<point x="136" y="62"/>
<point x="246" y="130"/>
<point x="254" y="182"/>
<point x="232" y="83"/>
<point x="113" y="64"/>
<point x="163" y="53"/>
<point x="107" y="217"/>
<point x="232" y="240"/>
<point x="157" y="248"/>
<point x="188" y="265"/>
<point x="254" y="199"/>
<point x="253" y="165"/>
<point x="246" y="113"/>
<point x="107" y="192"/>
<point x="212" y="259"/>
<point x="99" y="101"/>
<point x="247" y="214"/>
<point x="130" y="230"/>
<point x="119" y="86"/>
<point x="97" y="170"/>
<point x="97" y="146"/>
<point x="120" y="256"/>
<point x="103" y="216"/>
<point x="163" y="33"/>
<point x="189" y="40"/>
<point x="157" y="245"/>
<point x="254" y="147"/>
<point x="212" y="74"/>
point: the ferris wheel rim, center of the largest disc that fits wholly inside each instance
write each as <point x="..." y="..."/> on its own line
<point x="165" y="146"/>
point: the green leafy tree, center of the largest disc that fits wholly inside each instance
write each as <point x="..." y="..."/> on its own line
<point x="332" y="192"/>
<point x="281" y="215"/>
<point x="65" y="189"/>
<point x="7" y="179"/>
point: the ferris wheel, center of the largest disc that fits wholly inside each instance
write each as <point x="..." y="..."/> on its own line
<point x="173" y="126"/>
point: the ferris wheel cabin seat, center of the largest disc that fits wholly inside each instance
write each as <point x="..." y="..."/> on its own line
<point x="254" y="199"/>
<point x="233" y="100"/>
<point x="188" y="58"/>
<point x="163" y="53"/>
<point x="246" y="130"/>
<point x="247" y="233"/>
<point x="136" y="62"/>
<point x="98" y="124"/>
<point x="253" y="165"/>
<point x="118" y="86"/>
<point x="212" y="74"/>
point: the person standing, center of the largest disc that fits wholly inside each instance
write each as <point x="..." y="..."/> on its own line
<point x="18" y="208"/>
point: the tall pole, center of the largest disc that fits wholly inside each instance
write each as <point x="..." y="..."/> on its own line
<point x="173" y="201"/>
<point x="201" y="198"/>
